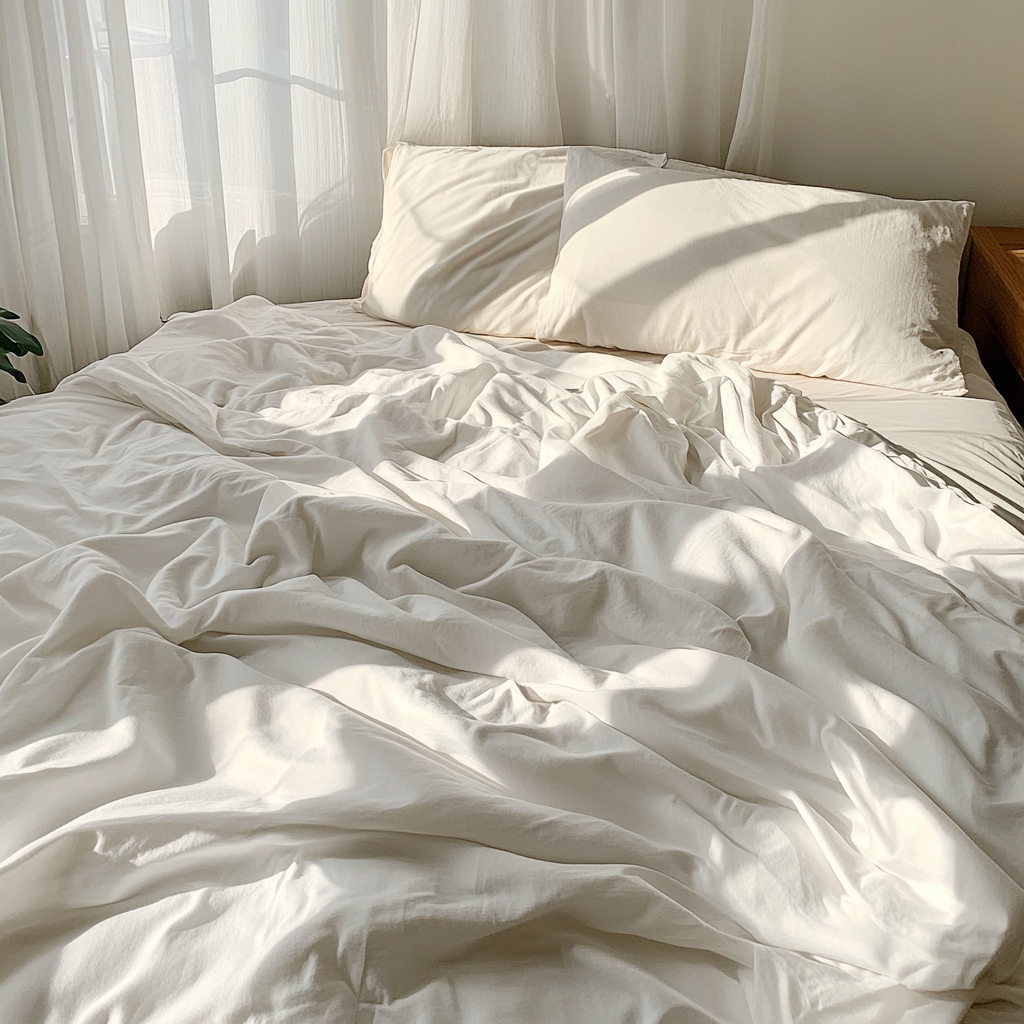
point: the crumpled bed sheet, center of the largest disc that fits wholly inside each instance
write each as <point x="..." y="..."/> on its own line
<point x="972" y="441"/>
<point x="365" y="674"/>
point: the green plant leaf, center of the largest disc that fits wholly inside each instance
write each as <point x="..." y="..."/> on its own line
<point x="6" y="314"/>
<point x="17" y="340"/>
<point x="5" y="365"/>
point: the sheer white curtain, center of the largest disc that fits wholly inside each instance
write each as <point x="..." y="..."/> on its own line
<point x="261" y="131"/>
<point x="693" y="78"/>
<point x="165" y="155"/>
<point x="76" y="253"/>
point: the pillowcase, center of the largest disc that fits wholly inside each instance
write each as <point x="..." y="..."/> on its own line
<point x="469" y="235"/>
<point x="783" y="278"/>
<point x="716" y="172"/>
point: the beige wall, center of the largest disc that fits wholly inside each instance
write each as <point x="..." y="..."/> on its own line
<point x="910" y="98"/>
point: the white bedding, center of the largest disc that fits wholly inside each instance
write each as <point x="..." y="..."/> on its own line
<point x="973" y="441"/>
<point x="359" y="673"/>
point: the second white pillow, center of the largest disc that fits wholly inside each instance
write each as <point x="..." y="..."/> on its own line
<point x="783" y="278"/>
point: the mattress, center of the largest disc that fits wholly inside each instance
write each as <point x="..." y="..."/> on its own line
<point x="363" y="673"/>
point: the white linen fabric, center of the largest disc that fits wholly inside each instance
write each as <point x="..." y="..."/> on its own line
<point x="261" y="128"/>
<point x="469" y="235"/>
<point x="690" y="77"/>
<point x="785" y="278"/>
<point x="972" y="440"/>
<point x="470" y="684"/>
<point x="75" y="251"/>
<point x="160" y="155"/>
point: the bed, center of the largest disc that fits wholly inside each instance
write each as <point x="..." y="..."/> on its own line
<point x="360" y="671"/>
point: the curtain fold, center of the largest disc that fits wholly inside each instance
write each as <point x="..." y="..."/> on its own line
<point x="750" y="147"/>
<point x="659" y="75"/>
<point x="77" y="264"/>
<point x="262" y="154"/>
<point x="167" y="155"/>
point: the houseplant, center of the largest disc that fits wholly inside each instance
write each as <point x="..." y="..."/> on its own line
<point x="16" y="341"/>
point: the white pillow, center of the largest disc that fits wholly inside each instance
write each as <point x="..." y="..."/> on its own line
<point x="469" y="235"/>
<point x="783" y="278"/>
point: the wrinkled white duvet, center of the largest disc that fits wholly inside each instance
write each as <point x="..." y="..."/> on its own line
<point x="386" y="675"/>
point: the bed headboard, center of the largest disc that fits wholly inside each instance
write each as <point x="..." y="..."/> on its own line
<point x="992" y="306"/>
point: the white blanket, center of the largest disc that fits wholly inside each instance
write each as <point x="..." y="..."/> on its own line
<point x="386" y="675"/>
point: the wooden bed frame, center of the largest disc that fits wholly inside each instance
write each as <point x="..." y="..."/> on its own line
<point x="992" y="307"/>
